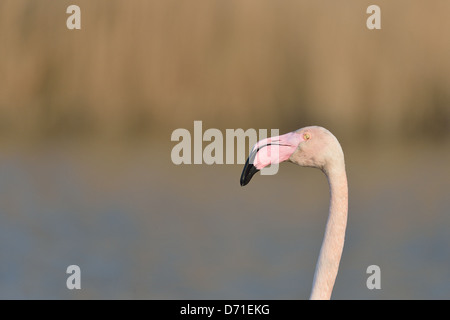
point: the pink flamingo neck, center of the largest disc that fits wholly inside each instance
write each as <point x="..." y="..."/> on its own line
<point x="333" y="241"/>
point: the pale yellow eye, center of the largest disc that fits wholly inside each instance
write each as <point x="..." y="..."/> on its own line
<point x="306" y="136"/>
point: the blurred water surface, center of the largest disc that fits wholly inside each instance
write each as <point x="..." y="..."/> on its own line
<point x="140" y="227"/>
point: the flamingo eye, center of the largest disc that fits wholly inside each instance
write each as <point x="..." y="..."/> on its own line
<point x="306" y="136"/>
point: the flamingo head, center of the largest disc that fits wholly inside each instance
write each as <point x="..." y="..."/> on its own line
<point x="308" y="147"/>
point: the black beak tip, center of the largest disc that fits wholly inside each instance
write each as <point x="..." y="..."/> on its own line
<point x="247" y="173"/>
<point x="244" y="182"/>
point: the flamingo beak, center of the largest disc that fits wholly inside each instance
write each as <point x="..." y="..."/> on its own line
<point x="249" y="170"/>
<point x="269" y="151"/>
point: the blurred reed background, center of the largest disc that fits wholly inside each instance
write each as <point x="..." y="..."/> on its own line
<point x="140" y="227"/>
<point x="145" y="67"/>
